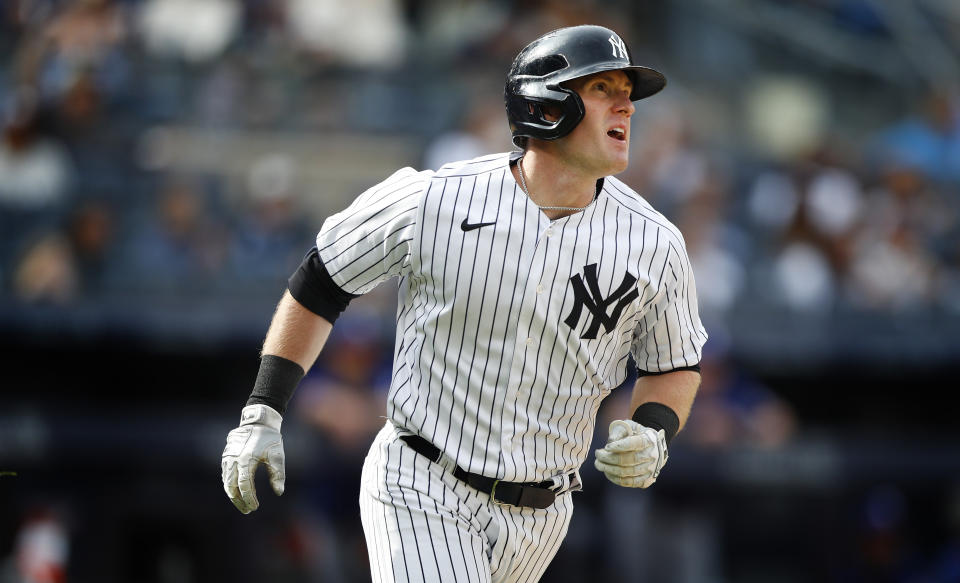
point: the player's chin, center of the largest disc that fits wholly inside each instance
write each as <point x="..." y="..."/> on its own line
<point x="618" y="163"/>
<point x="618" y="157"/>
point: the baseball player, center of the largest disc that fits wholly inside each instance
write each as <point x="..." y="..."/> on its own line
<point x="526" y="280"/>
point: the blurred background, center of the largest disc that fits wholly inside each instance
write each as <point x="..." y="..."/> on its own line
<point x="165" y="164"/>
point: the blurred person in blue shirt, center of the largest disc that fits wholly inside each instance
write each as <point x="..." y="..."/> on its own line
<point x="928" y="139"/>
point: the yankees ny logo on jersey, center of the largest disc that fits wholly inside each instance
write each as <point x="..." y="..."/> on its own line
<point x="619" y="47"/>
<point x="594" y="301"/>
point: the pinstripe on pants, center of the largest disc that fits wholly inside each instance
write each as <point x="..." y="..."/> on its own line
<point x="424" y="525"/>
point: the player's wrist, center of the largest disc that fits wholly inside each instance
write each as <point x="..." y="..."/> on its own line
<point x="658" y="416"/>
<point x="260" y="414"/>
<point x="277" y="379"/>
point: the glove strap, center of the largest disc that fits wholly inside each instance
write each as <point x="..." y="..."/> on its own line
<point x="262" y="415"/>
<point x="658" y="416"/>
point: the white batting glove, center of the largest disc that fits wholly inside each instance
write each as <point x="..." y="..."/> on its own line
<point x="634" y="454"/>
<point x="257" y="440"/>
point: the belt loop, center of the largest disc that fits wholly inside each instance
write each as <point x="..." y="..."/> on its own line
<point x="493" y="494"/>
<point x="575" y="484"/>
<point x="560" y="483"/>
<point x="447" y="463"/>
<point x="569" y="482"/>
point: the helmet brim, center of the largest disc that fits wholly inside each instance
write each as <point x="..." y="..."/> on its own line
<point x="646" y="81"/>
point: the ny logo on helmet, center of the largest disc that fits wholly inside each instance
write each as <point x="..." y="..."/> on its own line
<point x="619" y="47"/>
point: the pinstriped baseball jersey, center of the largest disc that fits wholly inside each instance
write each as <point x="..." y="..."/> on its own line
<point x="511" y="327"/>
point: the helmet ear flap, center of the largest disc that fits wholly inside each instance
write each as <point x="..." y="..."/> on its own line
<point x="557" y="109"/>
<point x="556" y="119"/>
<point x="573" y="106"/>
<point x="569" y="112"/>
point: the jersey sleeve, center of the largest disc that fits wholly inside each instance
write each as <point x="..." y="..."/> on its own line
<point x="670" y="334"/>
<point x="370" y="241"/>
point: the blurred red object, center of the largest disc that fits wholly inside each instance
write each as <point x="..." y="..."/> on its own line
<point x="43" y="547"/>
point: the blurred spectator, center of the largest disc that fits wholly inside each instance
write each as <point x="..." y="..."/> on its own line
<point x="47" y="272"/>
<point x="35" y="170"/>
<point x="181" y="247"/>
<point x="803" y="279"/>
<point x="717" y="247"/>
<point x="90" y="231"/>
<point x="928" y="140"/>
<point x="772" y="202"/>
<point x="84" y="37"/>
<point x="271" y="236"/>
<point x="193" y="30"/>
<point x="812" y="268"/>
<point x="63" y="264"/>
<point x="79" y="109"/>
<point x="95" y="137"/>
<point x="362" y="33"/>
<point x="482" y="130"/>
<point x="670" y="166"/>
<point x="807" y="216"/>
<point x="735" y="410"/>
<point x="893" y="265"/>
<point x="449" y="31"/>
<point x="834" y="201"/>
<point x="220" y="94"/>
<point x="892" y="271"/>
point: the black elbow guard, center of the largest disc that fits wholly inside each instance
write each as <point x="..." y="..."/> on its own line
<point x="312" y="286"/>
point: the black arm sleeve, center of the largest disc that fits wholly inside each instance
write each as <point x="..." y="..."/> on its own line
<point x="312" y="286"/>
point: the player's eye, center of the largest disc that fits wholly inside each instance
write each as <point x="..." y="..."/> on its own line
<point x="600" y="86"/>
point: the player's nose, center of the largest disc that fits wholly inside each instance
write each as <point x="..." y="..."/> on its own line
<point x="624" y="105"/>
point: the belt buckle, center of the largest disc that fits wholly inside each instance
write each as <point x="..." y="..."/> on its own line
<point x="493" y="495"/>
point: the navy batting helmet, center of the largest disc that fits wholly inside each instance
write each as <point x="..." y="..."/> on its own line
<point x="568" y="53"/>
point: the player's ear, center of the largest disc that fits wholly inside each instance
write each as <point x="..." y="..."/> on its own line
<point x="549" y="112"/>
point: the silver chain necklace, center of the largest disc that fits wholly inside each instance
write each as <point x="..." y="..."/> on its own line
<point x="523" y="183"/>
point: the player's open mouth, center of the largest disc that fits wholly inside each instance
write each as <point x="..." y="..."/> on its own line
<point x="617" y="134"/>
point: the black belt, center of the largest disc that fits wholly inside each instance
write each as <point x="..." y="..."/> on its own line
<point x="532" y="494"/>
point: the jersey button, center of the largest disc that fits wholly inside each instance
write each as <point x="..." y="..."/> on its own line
<point x="529" y="341"/>
<point x="539" y="289"/>
<point x="548" y="232"/>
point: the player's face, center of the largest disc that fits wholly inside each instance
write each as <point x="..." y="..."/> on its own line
<point x="600" y="143"/>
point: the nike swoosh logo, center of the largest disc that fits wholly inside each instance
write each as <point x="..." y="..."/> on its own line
<point x="465" y="226"/>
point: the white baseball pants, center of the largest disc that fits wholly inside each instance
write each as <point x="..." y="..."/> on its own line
<point x="424" y="525"/>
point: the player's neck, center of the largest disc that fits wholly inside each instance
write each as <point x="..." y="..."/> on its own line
<point x="551" y="183"/>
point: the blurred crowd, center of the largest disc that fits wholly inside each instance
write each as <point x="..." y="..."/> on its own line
<point x="782" y="203"/>
<point x="181" y="150"/>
